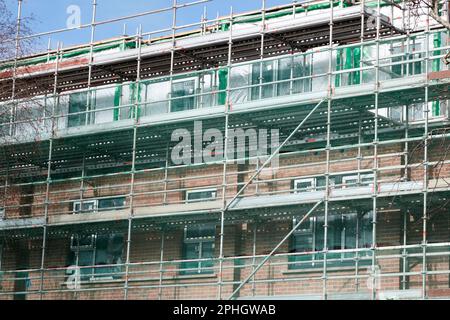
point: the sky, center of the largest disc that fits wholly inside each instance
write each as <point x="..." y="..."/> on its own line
<point x="53" y="15"/>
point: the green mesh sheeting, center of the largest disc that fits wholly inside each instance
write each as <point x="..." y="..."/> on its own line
<point x="135" y="97"/>
<point x="223" y="84"/>
<point x="117" y="96"/>
<point x="346" y="59"/>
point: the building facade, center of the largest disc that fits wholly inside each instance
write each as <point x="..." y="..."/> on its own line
<point x="295" y="152"/>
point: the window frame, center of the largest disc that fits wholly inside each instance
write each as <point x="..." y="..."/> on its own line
<point x="314" y="186"/>
<point x="93" y="249"/>
<point x="296" y="262"/>
<point x="305" y="180"/>
<point x="78" y="202"/>
<point x="189" y="192"/>
<point x="359" y="181"/>
<point x="96" y="202"/>
<point x="190" y="96"/>
<point x="200" y="241"/>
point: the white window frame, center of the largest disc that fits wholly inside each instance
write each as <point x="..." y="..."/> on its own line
<point x="75" y="203"/>
<point x="194" y="95"/>
<point x="213" y="190"/>
<point x="311" y="180"/>
<point x="96" y="203"/>
<point x="355" y="177"/>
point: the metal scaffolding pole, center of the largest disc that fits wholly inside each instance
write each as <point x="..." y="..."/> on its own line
<point x="274" y="153"/>
<point x="267" y="257"/>
<point x="404" y="251"/>
<point x="255" y="231"/>
<point x="161" y="264"/>
<point x="172" y="52"/>
<point x="227" y="110"/>
<point x="426" y="140"/>
<point x="49" y="166"/>
<point x="133" y="161"/>
<point x="327" y="154"/>
<point x="374" y="274"/>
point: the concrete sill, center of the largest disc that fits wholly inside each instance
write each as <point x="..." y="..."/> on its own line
<point x="100" y="281"/>
<point x="320" y="270"/>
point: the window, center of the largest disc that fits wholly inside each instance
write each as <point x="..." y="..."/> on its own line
<point x="199" y="243"/>
<point x="183" y="88"/>
<point x="400" y="57"/>
<point x="157" y="94"/>
<point x="312" y="184"/>
<point x="345" y="231"/>
<point x="265" y="76"/>
<point x="90" y="206"/>
<point x="111" y="204"/>
<point x="304" y="185"/>
<point x="201" y="195"/>
<point x="352" y="181"/>
<point x="103" y="99"/>
<point x="95" y="251"/>
<point x="2" y="213"/>
<point x="86" y="206"/>
<point x="77" y="104"/>
<point x="293" y="67"/>
<point x="396" y="113"/>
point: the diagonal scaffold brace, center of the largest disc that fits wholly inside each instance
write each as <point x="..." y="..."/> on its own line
<point x="255" y="175"/>
<point x="266" y="258"/>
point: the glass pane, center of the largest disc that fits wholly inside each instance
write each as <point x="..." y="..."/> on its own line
<point x="77" y="103"/>
<point x="86" y="258"/>
<point x="109" y="250"/>
<point x="104" y="98"/>
<point x="416" y="112"/>
<point x="304" y="186"/>
<point x="201" y="195"/>
<point x="87" y="206"/>
<point x="191" y="252"/>
<point x="267" y="75"/>
<point x="207" y="252"/>
<point x="111" y="203"/>
<point x="183" y="89"/>
<point x="285" y="70"/>
<point x="240" y="77"/>
<point x="157" y="95"/>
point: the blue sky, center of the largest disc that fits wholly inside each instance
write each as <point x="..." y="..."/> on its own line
<point x="52" y="15"/>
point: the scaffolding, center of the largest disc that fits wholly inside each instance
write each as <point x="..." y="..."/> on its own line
<point x="359" y="96"/>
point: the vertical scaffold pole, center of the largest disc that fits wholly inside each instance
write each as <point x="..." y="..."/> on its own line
<point x="225" y="159"/>
<point x="327" y="154"/>
<point x="374" y="274"/>
<point x="49" y="165"/>
<point x="133" y="161"/>
<point x="161" y="264"/>
<point x="426" y="141"/>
